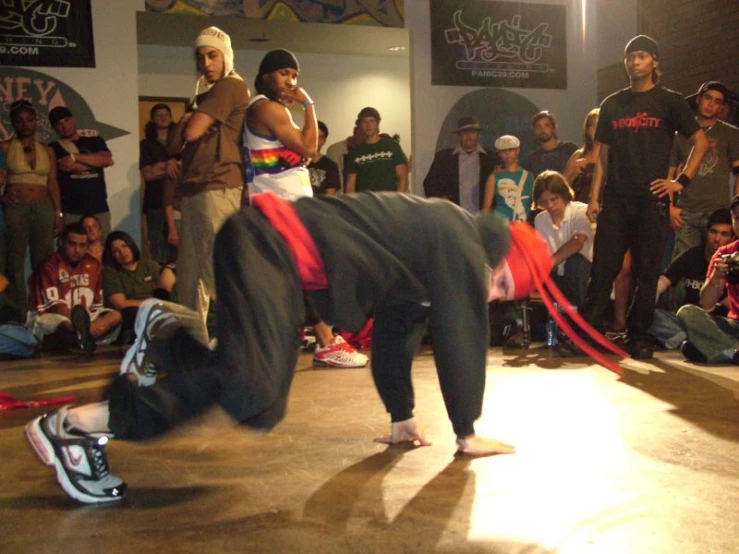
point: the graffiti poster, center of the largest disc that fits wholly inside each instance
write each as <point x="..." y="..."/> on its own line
<point x="385" y="13"/>
<point x="48" y="33"/>
<point x="503" y="44"/>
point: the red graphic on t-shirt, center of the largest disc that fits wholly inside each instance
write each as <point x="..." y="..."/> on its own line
<point x="641" y="120"/>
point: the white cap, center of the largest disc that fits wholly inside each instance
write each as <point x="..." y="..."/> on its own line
<point x="506" y="142"/>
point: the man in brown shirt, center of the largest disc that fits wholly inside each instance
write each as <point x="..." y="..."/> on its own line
<point x="209" y="138"/>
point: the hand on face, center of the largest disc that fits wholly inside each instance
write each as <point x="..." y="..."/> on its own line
<point x="293" y="93"/>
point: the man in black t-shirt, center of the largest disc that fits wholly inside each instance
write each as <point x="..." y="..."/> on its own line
<point x="80" y="164"/>
<point x="632" y="147"/>
<point x="684" y="279"/>
<point x="324" y="173"/>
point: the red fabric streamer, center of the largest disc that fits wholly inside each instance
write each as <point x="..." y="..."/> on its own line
<point x="9" y="402"/>
<point x="545" y="286"/>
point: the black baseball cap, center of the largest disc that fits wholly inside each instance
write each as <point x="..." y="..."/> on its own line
<point x="160" y="106"/>
<point x="59" y="113"/>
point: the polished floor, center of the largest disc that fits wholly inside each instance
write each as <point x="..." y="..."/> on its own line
<point x="647" y="463"/>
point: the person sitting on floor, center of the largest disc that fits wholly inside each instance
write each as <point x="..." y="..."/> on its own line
<point x="94" y="236"/>
<point x="66" y="296"/>
<point x="681" y="282"/>
<point x="129" y="279"/>
<point x="712" y="338"/>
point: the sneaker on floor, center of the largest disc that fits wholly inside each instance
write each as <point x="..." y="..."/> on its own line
<point x="81" y="324"/>
<point x="617" y="337"/>
<point x="79" y="459"/>
<point x="640" y="348"/>
<point x="153" y="320"/>
<point x="338" y="353"/>
<point x="691" y="353"/>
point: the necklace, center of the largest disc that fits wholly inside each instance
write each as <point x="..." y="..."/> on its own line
<point x="707" y="129"/>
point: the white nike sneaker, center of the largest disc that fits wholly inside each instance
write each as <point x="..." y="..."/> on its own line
<point x="153" y="318"/>
<point x="79" y="459"/>
<point x="338" y="353"/>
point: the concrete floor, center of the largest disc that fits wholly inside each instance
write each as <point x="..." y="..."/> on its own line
<point x="644" y="464"/>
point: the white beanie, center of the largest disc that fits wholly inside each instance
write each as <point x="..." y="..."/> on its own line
<point x="215" y="38"/>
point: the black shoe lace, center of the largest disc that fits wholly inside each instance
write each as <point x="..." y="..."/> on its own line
<point x="96" y="454"/>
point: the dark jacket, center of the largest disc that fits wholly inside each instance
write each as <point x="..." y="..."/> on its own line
<point x="442" y="180"/>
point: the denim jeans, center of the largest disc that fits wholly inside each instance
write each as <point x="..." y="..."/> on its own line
<point x="692" y="233"/>
<point x="574" y="283"/>
<point x="17" y="340"/>
<point x="666" y="329"/>
<point x="713" y="336"/>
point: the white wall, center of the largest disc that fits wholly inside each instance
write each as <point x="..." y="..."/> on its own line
<point x="432" y="103"/>
<point x="615" y="24"/>
<point x="339" y="85"/>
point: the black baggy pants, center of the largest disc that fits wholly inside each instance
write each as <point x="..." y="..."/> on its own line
<point x="259" y="311"/>
<point x="638" y="224"/>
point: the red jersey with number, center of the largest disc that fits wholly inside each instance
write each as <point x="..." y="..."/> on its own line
<point x="55" y="283"/>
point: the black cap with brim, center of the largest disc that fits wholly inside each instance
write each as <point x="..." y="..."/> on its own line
<point x="59" y="113"/>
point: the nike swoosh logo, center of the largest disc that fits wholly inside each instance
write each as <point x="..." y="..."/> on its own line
<point x="75" y="460"/>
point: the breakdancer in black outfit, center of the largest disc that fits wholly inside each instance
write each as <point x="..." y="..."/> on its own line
<point x="404" y="260"/>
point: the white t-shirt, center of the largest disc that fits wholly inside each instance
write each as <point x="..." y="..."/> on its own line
<point x="575" y="221"/>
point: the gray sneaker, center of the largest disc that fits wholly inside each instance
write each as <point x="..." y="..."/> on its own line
<point x="153" y="320"/>
<point x="80" y="461"/>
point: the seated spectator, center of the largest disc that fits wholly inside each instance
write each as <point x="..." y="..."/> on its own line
<point x="16" y="341"/>
<point x="32" y="204"/>
<point x="508" y="190"/>
<point x="568" y="232"/>
<point x="581" y="165"/>
<point x="94" y="236"/>
<point x="712" y="338"/>
<point x="66" y="297"/>
<point x="129" y="279"/>
<point x="684" y="279"/>
<point x="324" y="173"/>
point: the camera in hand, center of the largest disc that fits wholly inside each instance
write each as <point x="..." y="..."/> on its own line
<point x="732" y="260"/>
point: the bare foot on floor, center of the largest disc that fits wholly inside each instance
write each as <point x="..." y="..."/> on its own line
<point x="481" y="446"/>
<point x="404" y="432"/>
